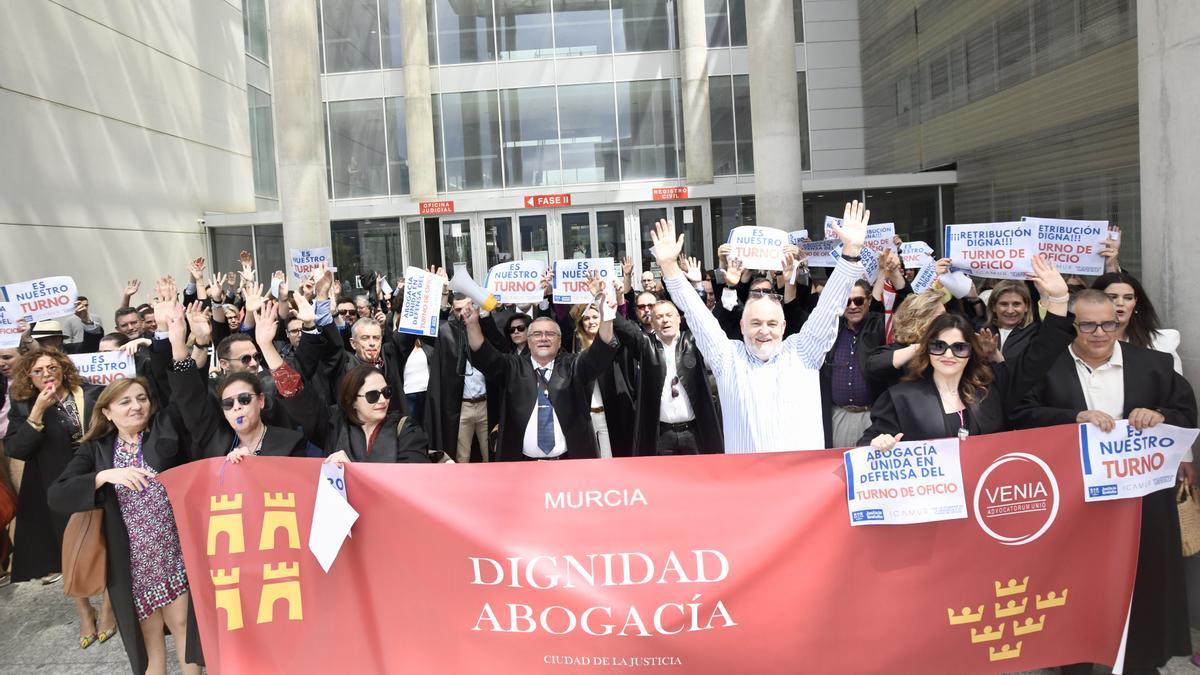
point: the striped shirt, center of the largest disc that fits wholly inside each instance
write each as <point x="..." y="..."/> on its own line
<point x="776" y="404"/>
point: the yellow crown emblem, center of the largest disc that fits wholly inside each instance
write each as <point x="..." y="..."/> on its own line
<point x="966" y="616"/>
<point x="1052" y="599"/>
<point x="1013" y="588"/>
<point x="1030" y="626"/>
<point x="1005" y="652"/>
<point x="1011" y="609"/>
<point x="988" y="634"/>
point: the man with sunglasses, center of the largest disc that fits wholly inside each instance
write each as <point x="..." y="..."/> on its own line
<point x="860" y="331"/>
<point x="1100" y="380"/>
<point x="770" y="388"/>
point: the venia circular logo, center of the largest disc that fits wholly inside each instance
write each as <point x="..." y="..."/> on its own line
<point x="1016" y="499"/>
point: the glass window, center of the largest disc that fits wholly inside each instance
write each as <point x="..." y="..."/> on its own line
<point x="577" y="235"/>
<point x="938" y="79"/>
<point x="1013" y="47"/>
<point x="361" y="246"/>
<point x="802" y="107"/>
<point x="582" y="27"/>
<point x="716" y="20"/>
<point x="227" y="243"/>
<point x="262" y="142"/>
<point x="981" y="62"/>
<point x="530" y="136"/>
<point x="535" y="244"/>
<point x="415" y="246"/>
<point x="464" y="31"/>
<point x="589" y="133"/>
<point x="390" y="28"/>
<point x="524" y="29"/>
<point x="728" y="213"/>
<point x="1054" y="36"/>
<point x="397" y="145"/>
<point x="498" y="240"/>
<point x="821" y="204"/>
<point x="688" y="221"/>
<point x="470" y="123"/>
<point x="646" y="118"/>
<point x="1104" y="22"/>
<point x="268" y="249"/>
<point x="743" y="127"/>
<point x="913" y="210"/>
<point x="254" y="26"/>
<point x="737" y="23"/>
<point x="358" y="158"/>
<point x="350" y="35"/>
<point x="640" y="26"/>
<point x="438" y="151"/>
<point x="720" y="95"/>
<point x="798" y="16"/>
<point x="456" y="238"/>
<point x="610" y="235"/>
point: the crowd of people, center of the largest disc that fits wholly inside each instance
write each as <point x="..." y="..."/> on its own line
<point x="690" y="361"/>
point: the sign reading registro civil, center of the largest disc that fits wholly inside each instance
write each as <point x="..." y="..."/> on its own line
<point x="669" y="193"/>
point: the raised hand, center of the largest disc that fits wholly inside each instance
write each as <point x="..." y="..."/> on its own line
<point x="595" y="286"/>
<point x="165" y="290"/>
<point x="692" y="269"/>
<point x="989" y="343"/>
<point x="942" y="266"/>
<point x="324" y="281"/>
<point x="196" y="269"/>
<point x="1050" y="284"/>
<point x="733" y="272"/>
<point x="853" y="231"/>
<point x="81" y="311"/>
<point x="254" y="297"/>
<point x="266" y="323"/>
<point x="131" y="287"/>
<point x="199" y="323"/>
<point x="547" y="283"/>
<point x="627" y="266"/>
<point x="215" y="292"/>
<point x="247" y="267"/>
<point x="231" y="279"/>
<point x="1111" y="249"/>
<point x="176" y="326"/>
<point x="304" y="310"/>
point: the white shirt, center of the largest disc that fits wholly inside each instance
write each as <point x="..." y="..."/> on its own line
<point x="416" y="372"/>
<point x="530" y="447"/>
<point x="1004" y="333"/>
<point x="1104" y="386"/>
<point x="474" y="384"/>
<point x="674" y="409"/>
<point x="776" y="404"/>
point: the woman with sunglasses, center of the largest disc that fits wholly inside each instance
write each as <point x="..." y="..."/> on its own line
<point x="1138" y="323"/>
<point x="127" y="444"/>
<point x="951" y="390"/>
<point x="231" y="425"/>
<point x="51" y="408"/>
<point x="360" y="427"/>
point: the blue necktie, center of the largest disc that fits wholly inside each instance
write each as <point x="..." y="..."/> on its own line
<point x="545" y="416"/>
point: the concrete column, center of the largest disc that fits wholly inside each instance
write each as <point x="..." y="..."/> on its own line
<point x="1168" y="98"/>
<point x="418" y="101"/>
<point x="299" y="124"/>
<point x="770" y="32"/>
<point x="697" y="125"/>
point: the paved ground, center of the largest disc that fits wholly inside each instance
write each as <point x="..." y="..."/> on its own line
<point x="38" y="634"/>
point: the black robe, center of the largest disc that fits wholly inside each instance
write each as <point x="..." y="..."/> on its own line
<point x="1158" y="622"/>
<point x="37" y="550"/>
<point x="75" y="491"/>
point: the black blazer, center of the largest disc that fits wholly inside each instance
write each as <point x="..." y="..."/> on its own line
<point x="328" y="427"/>
<point x="693" y="375"/>
<point x="1017" y="340"/>
<point x="915" y="408"/>
<point x="75" y="490"/>
<point x="871" y="335"/>
<point x="322" y="359"/>
<point x="211" y="434"/>
<point x="570" y="395"/>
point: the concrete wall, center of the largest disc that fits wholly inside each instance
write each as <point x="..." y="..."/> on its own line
<point x="123" y="122"/>
<point x="835" y="97"/>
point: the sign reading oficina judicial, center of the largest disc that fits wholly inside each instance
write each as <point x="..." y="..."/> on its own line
<point x="664" y="564"/>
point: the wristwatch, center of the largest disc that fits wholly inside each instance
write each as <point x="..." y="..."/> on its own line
<point x="852" y="258"/>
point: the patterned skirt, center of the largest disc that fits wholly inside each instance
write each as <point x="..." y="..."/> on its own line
<point x="155" y="558"/>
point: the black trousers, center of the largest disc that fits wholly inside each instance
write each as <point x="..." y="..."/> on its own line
<point x="678" y="439"/>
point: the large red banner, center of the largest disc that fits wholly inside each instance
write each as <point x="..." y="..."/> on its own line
<point x="709" y="564"/>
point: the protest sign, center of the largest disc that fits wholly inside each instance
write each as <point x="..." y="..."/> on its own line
<point x="571" y="279"/>
<point x="600" y="575"/>
<point x="797" y="237"/>
<point x="516" y="283"/>
<point x="422" y="302"/>
<point x="47" y="298"/>
<point x="914" y="482"/>
<point x="914" y="254"/>
<point x="1073" y="245"/>
<point x="993" y="250"/>
<point x="880" y="236"/>
<point x="867" y="258"/>
<point x="1127" y="463"/>
<point x="104" y="367"/>
<point x="305" y="261"/>
<point x="11" y="329"/>
<point x="925" y="277"/>
<point x="757" y="248"/>
<point x="820" y="253"/>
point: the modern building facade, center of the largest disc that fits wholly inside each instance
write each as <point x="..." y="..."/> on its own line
<point x="564" y="128"/>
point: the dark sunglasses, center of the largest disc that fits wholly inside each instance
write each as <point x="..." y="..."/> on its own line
<point x="1091" y="326"/>
<point x="374" y="395"/>
<point x="675" y="386"/>
<point x="960" y="349"/>
<point x="346" y="312"/>
<point x="646" y="306"/>
<point x="767" y="294"/>
<point x="855" y="302"/>
<point x="517" y="328"/>
<point x="246" y="359"/>
<point x="244" y="399"/>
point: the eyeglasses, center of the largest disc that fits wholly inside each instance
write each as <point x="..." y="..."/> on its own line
<point x="855" y="302"/>
<point x="517" y="328"/>
<point x="345" y="312"/>
<point x="374" y="395"/>
<point x="48" y="370"/>
<point x="675" y="387"/>
<point x="1091" y="326"/>
<point x="768" y="295"/>
<point x="294" y="331"/>
<point x="648" y="305"/>
<point x="543" y="334"/>
<point x="243" y="399"/>
<point x="960" y="349"/>
<point x="245" y="359"/>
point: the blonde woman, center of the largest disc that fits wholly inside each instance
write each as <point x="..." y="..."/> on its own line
<point x="886" y="364"/>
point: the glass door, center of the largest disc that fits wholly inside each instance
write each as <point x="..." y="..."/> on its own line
<point x="533" y="237"/>
<point x="456" y="244"/>
<point x="413" y="245"/>
<point x="577" y="234"/>
<point x="498" y="239"/>
<point x="594" y="234"/>
<point x="689" y="221"/>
